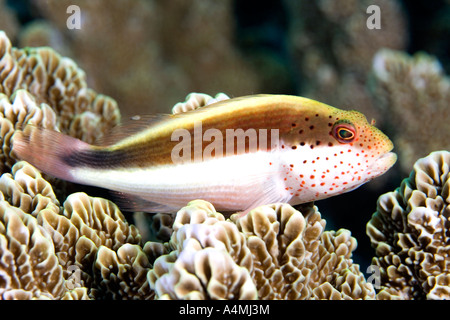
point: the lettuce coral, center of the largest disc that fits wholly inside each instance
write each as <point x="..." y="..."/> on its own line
<point x="58" y="95"/>
<point x="286" y="252"/>
<point x="404" y="87"/>
<point x="82" y="249"/>
<point x="334" y="47"/>
<point x="409" y="231"/>
<point x="155" y="54"/>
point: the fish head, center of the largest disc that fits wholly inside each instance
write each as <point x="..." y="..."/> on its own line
<point x="364" y="142"/>
<point x="333" y="151"/>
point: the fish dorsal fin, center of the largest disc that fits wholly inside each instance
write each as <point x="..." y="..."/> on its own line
<point x="139" y="123"/>
<point x="131" y="127"/>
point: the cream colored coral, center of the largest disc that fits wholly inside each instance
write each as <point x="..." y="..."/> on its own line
<point x="405" y="86"/>
<point x="409" y="233"/>
<point x="294" y="258"/>
<point x="55" y="83"/>
<point x="209" y="258"/>
<point x="285" y="253"/>
<point x="15" y="113"/>
<point x="26" y="189"/>
<point x="28" y="265"/>
<point x="197" y="100"/>
<point x="122" y="274"/>
<point x="72" y="247"/>
<point x="99" y="220"/>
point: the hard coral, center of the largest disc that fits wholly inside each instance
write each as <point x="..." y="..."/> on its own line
<point x="197" y="100"/>
<point x="15" y="113"/>
<point x="182" y="46"/>
<point x="409" y="231"/>
<point x="284" y="251"/>
<point x="56" y="83"/>
<point x="407" y="86"/>
<point x="84" y="249"/>
<point x="334" y="48"/>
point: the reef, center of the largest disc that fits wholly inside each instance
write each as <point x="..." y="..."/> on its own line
<point x="85" y="249"/>
<point x="40" y="87"/>
<point x="413" y="95"/>
<point x="274" y="252"/>
<point x="60" y="244"/>
<point x="410" y="233"/>
<point x="81" y="250"/>
<point x="80" y="247"/>
<point x="333" y="48"/>
<point x="155" y="55"/>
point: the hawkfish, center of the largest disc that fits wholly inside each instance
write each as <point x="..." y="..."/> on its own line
<point x="237" y="154"/>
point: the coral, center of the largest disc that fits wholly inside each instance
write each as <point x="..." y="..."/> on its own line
<point x="413" y="93"/>
<point x="334" y="48"/>
<point x="28" y="265"/>
<point x="284" y="251"/>
<point x="171" y="47"/>
<point x="82" y="250"/>
<point x="56" y="83"/>
<point x="196" y="100"/>
<point x="410" y="232"/>
<point x="15" y="112"/>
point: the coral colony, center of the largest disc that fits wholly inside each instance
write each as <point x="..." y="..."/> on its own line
<point x="59" y="241"/>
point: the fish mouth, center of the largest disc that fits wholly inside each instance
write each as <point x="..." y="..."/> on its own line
<point x="383" y="163"/>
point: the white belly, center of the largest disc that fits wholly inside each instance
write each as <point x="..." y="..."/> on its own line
<point x="231" y="183"/>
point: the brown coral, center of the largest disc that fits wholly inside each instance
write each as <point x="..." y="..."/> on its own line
<point x="28" y="267"/>
<point x="182" y="47"/>
<point x="285" y="252"/>
<point x="409" y="231"/>
<point x="408" y="86"/>
<point x="15" y="112"/>
<point x="83" y="250"/>
<point x="335" y="55"/>
<point x="196" y="100"/>
<point x="54" y="83"/>
<point x="294" y="258"/>
<point x="274" y="252"/>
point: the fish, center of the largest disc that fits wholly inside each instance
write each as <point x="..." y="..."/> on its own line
<point x="304" y="151"/>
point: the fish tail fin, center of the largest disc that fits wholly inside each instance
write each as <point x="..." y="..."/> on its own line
<point x="49" y="151"/>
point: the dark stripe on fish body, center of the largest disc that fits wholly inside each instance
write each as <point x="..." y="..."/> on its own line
<point x="98" y="159"/>
<point x="155" y="147"/>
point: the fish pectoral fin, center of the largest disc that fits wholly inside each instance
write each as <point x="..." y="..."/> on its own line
<point x="270" y="196"/>
<point x="132" y="203"/>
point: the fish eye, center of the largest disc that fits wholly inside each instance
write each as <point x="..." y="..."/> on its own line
<point x="344" y="131"/>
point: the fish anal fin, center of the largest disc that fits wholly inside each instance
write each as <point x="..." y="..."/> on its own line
<point x="132" y="203"/>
